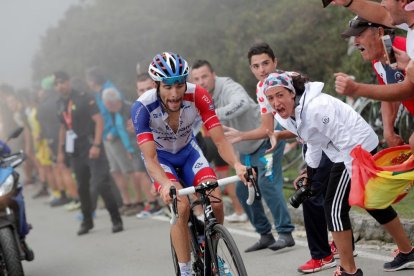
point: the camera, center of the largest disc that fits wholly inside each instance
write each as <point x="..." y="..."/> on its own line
<point x="301" y="194"/>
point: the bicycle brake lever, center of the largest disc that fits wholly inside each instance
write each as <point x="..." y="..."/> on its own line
<point x="173" y="205"/>
<point x="252" y="180"/>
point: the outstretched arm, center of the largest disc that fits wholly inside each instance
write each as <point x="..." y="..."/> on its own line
<point x="401" y="91"/>
<point x="369" y="10"/>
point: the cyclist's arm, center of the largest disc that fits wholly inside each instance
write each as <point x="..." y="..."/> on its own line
<point x="371" y="11"/>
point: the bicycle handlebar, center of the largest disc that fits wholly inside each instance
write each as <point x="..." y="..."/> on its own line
<point x="253" y="191"/>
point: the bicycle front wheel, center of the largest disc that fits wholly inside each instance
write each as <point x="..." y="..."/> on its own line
<point x="226" y="253"/>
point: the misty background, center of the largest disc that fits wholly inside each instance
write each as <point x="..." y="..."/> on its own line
<point x="22" y="23"/>
<point x="39" y="37"/>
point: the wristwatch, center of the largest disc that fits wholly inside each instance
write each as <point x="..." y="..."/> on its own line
<point x="97" y="145"/>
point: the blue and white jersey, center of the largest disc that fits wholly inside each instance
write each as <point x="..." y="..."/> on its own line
<point x="151" y="121"/>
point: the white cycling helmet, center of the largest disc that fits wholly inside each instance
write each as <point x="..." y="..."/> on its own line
<point x="169" y="68"/>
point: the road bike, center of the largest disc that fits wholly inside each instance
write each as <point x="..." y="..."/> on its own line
<point x="213" y="249"/>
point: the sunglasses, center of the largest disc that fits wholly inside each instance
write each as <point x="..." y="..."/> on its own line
<point x="175" y="80"/>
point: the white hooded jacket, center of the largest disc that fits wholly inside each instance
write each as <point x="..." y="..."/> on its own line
<point x="327" y="124"/>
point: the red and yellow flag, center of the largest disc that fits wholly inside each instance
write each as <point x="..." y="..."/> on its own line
<point x="383" y="179"/>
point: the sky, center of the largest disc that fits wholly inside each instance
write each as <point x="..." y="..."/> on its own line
<point x="22" y="23"/>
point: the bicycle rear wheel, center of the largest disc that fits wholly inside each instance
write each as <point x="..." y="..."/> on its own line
<point x="226" y="253"/>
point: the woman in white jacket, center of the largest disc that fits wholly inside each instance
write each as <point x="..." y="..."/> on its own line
<point x="327" y="124"/>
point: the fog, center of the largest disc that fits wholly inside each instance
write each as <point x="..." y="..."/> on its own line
<point x="22" y="23"/>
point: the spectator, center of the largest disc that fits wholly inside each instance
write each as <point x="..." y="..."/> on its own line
<point x="368" y="41"/>
<point x="82" y="126"/>
<point x="238" y="113"/>
<point x="50" y="124"/>
<point x="329" y="125"/>
<point x="144" y="83"/>
<point x="263" y="62"/>
<point x="389" y="13"/>
<point x="123" y="156"/>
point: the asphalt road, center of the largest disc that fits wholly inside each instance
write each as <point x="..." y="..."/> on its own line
<point x="143" y="248"/>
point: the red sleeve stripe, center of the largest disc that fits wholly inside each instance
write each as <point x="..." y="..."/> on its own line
<point x="144" y="137"/>
<point x="212" y="122"/>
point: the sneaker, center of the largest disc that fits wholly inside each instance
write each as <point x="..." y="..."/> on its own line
<point x="340" y="272"/>
<point x="134" y="209"/>
<point x="284" y="240"/>
<point x="264" y="242"/>
<point x="43" y="192"/>
<point x="335" y="252"/>
<point x="236" y="218"/>
<point x="73" y="205"/>
<point x="151" y="209"/>
<point x="400" y="261"/>
<point x="314" y="265"/>
<point x="60" y="201"/>
<point x="224" y="269"/>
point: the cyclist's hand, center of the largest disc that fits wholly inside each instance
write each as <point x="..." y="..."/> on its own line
<point x="273" y="137"/>
<point x="393" y="139"/>
<point x="402" y="58"/>
<point x="303" y="175"/>
<point x="165" y="193"/>
<point x="232" y="135"/>
<point x="241" y="171"/>
<point x="344" y="84"/>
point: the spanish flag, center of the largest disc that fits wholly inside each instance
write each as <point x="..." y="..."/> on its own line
<point x="383" y="179"/>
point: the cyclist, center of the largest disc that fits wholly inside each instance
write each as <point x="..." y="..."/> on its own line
<point x="329" y="125"/>
<point x="163" y="119"/>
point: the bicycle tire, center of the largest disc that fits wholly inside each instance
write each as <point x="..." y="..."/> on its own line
<point x="175" y="260"/>
<point x="234" y="260"/>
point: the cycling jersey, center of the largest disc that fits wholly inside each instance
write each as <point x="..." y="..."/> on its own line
<point x="176" y="150"/>
<point x="387" y="75"/>
<point x="150" y="118"/>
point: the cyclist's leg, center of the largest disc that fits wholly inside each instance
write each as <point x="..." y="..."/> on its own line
<point x="179" y="231"/>
<point x="197" y="170"/>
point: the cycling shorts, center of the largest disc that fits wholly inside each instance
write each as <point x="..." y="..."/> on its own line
<point x="188" y="165"/>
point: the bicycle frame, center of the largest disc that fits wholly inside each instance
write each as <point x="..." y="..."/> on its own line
<point x="204" y="255"/>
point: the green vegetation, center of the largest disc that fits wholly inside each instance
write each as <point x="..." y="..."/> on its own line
<point x="115" y="35"/>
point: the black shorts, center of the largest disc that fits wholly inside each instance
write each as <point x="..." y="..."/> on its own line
<point x="337" y="204"/>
